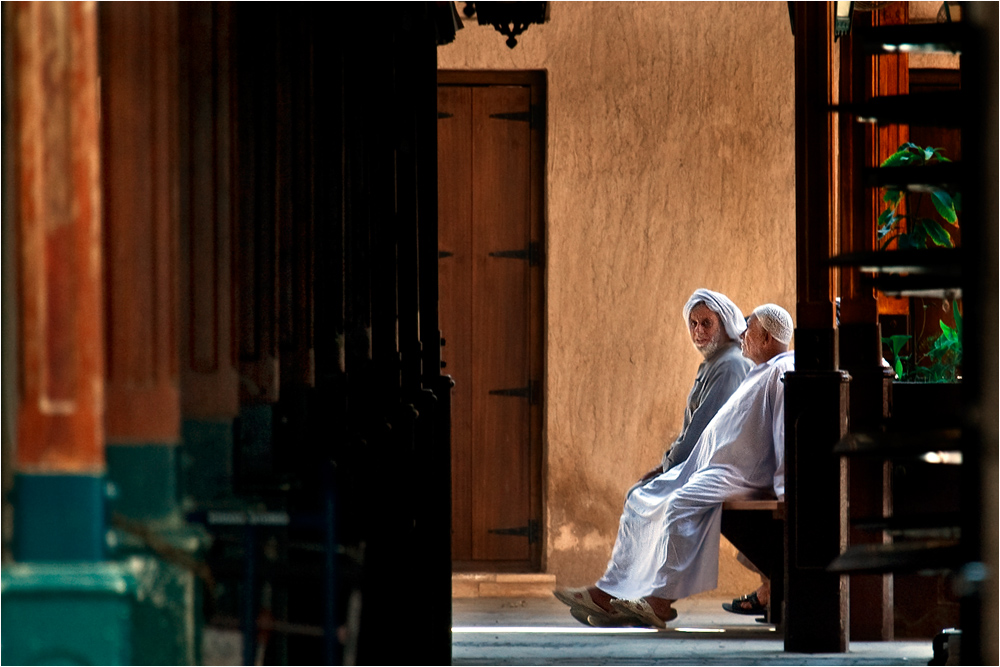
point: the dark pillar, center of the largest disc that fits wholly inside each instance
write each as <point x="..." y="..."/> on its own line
<point x="978" y="578"/>
<point x="815" y="528"/>
<point x="816" y="614"/>
<point x="870" y="485"/>
<point x="863" y="75"/>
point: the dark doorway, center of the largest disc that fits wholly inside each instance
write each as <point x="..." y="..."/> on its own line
<point x="491" y="250"/>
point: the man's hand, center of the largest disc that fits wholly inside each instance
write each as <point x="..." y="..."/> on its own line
<point x="655" y="472"/>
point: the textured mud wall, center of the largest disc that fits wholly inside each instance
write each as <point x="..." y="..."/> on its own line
<point x="670" y="166"/>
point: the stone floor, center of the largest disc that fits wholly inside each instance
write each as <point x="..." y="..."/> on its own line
<point x="534" y="631"/>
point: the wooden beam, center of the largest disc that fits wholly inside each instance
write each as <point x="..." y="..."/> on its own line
<point x="816" y="212"/>
<point x="209" y="375"/>
<point x="816" y="401"/>
<point x="139" y="99"/>
<point x="862" y="77"/>
<point x="256" y="229"/>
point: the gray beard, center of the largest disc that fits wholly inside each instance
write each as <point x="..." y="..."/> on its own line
<point x="716" y="344"/>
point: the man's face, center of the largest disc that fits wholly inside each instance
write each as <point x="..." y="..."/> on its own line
<point x="706" y="330"/>
<point x="752" y="341"/>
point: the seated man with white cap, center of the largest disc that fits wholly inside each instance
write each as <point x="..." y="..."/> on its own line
<point x="668" y="537"/>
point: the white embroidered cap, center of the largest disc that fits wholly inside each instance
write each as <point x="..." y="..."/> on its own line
<point x="776" y="321"/>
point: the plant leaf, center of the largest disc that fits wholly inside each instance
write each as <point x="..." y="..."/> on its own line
<point x="937" y="154"/>
<point x="887" y="218"/>
<point x="902" y="156"/>
<point x="910" y="241"/>
<point x="896" y="343"/>
<point x="936" y="233"/>
<point x="944" y="205"/>
<point x="892" y="196"/>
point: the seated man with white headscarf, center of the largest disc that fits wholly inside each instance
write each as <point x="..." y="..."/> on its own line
<point x="715" y="324"/>
<point x="668" y="537"/>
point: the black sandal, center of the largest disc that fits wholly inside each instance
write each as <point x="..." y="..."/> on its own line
<point x="738" y="606"/>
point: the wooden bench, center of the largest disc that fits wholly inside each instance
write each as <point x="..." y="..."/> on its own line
<point x="775" y="506"/>
<point x="756" y="528"/>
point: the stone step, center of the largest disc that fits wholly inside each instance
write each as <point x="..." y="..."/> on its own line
<point x="499" y="585"/>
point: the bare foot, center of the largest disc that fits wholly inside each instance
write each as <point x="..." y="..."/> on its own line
<point x="586" y="598"/>
<point x="602" y="599"/>
<point x="661" y="607"/>
<point x="764" y="593"/>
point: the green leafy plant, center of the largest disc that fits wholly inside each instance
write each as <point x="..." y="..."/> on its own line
<point x="896" y="344"/>
<point x="945" y="353"/>
<point x="943" y="357"/>
<point x="918" y="232"/>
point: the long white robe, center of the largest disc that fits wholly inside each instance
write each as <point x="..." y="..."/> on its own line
<point x="668" y="536"/>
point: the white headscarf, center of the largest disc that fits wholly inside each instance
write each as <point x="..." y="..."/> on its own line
<point x="730" y="314"/>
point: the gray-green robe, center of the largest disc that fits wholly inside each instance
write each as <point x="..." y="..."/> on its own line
<point x="717" y="379"/>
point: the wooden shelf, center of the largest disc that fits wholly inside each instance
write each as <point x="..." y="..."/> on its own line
<point x="923" y="109"/>
<point x="925" y="178"/>
<point x="925" y="286"/>
<point x="930" y="273"/>
<point x="916" y="556"/>
<point x="943" y="261"/>
<point x="912" y="38"/>
<point x="941" y="526"/>
<point x="900" y="444"/>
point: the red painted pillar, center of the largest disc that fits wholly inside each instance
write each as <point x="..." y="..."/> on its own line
<point x="56" y="165"/>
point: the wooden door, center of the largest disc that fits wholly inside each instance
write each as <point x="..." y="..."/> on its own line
<point x="490" y="249"/>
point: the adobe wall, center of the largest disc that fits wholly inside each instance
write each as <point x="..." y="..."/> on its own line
<point x="670" y="166"/>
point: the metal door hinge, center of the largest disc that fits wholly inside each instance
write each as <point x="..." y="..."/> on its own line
<point x="533" y="531"/>
<point x="530" y="392"/>
<point x="533" y="116"/>
<point x="533" y="253"/>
